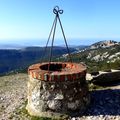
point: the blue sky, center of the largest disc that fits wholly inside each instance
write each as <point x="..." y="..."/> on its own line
<point x="82" y="19"/>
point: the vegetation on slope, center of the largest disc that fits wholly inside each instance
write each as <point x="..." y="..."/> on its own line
<point x="19" y="60"/>
<point x="99" y="58"/>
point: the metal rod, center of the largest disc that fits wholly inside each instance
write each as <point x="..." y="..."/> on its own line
<point x="65" y="39"/>
<point x="56" y="11"/>
<point x="42" y="58"/>
<point x="52" y="42"/>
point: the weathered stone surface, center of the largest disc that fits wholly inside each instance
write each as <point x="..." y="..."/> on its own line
<point x="106" y="78"/>
<point x="57" y="98"/>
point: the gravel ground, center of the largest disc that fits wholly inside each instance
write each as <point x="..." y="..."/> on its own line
<point x="105" y="104"/>
<point x="12" y="94"/>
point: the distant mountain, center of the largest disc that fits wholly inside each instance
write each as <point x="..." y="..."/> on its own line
<point x="11" y="46"/>
<point x="104" y="44"/>
<point x="12" y="59"/>
<point x="77" y="47"/>
<point x="80" y="47"/>
<point x="102" y="55"/>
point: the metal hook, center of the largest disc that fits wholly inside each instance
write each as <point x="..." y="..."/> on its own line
<point x="57" y="11"/>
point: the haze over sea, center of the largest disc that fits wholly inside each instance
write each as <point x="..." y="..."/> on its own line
<point x="17" y="44"/>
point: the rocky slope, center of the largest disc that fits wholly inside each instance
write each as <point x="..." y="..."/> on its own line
<point x="105" y="103"/>
<point x="102" y="55"/>
<point x="104" y="44"/>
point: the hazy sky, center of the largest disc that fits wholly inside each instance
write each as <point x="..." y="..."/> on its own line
<point x="82" y="19"/>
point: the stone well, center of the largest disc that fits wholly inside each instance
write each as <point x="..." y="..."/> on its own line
<point x="60" y="91"/>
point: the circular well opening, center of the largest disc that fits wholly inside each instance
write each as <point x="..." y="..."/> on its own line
<point x="53" y="67"/>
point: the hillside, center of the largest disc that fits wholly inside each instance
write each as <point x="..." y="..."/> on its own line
<point x="13" y="59"/>
<point x="13" y="88"/>
<point x="102" y="55"/>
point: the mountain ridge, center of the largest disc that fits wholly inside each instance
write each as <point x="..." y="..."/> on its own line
<point x="13" y="59"/>
<point x="105" y="55"/>
<point x="99" y="58"/>
<point x="104" y="44"/>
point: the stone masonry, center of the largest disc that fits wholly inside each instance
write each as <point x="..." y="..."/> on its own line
<point x="58" y="92"/>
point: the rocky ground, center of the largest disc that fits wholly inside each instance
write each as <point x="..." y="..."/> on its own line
<point x="12" y="94"/>
<point x="105" y="103"/>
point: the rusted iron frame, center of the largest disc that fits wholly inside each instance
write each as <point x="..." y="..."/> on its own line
<point x="51" y="50"/>
<point x="56" y="11"/>
<point x="65" y="39"/>
<point x="43" y="57"/>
